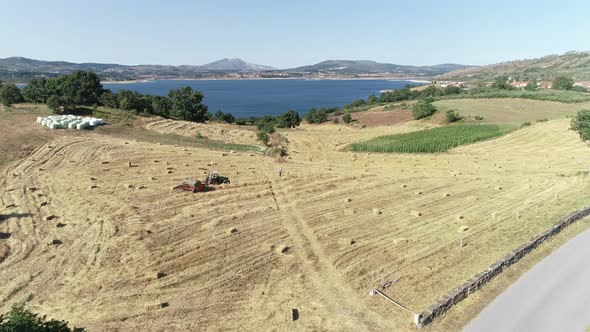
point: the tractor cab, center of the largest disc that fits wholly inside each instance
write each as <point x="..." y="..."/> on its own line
<point x="215" y="178"/>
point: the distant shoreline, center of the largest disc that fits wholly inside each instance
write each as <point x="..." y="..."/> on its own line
<point x="413" y="80"/>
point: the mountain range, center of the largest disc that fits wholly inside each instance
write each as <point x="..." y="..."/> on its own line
<point x="22" y="69"/>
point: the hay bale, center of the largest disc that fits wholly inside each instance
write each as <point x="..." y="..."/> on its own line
<point x="284" y="249"/>
<point x="127" y="186"/>
<point x="404" y="186"/>
<point x="463" y="229"/>
<point x="459" y="217"/>
<point x="347" y="200"/>
<point x="160" y="275"/>
<point x="232" y="230"/>
<point x="129" y="164"/>
<point x="498" y="188"/>
<point x="170" y="172"/>
<point x="352" y="241"/>
<point x="54" y="242"/>
<point x="141" y="187"/>
<point x="376" y="211"/>
<point x="446" y="195"/>
<point x="349" y="212"/>
<point x="416" y="213"/>
<point x="93" y="186"/>
<point x="50" y="217"/>
<point x="418" y="193"/>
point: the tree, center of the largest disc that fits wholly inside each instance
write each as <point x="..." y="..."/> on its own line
<point x="81" y="87"/>
<point x="21" y="319"/>
<point x="36" y="91"/>
<point x="55" y="103"/>
<point x="502" y="83"/>
<point x="531" y="85"/>
<point x="109" y="99"/>
<point x="452" y="90"/>
<point x="187" y="105"/>
<point x="229" y="118"/>
<point x="10" y="94"/>
<point x="347" y="118"/>
<point x="423" y="109"/>
<point x="581" y="124"/>
<point x="563" y="83"/>
<point x="290" y="119"/>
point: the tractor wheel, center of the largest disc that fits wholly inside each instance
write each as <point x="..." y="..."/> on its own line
<point x="226" y="181"/>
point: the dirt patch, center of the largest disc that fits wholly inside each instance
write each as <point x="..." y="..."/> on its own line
<point x="374" y="118"/>
<point x="20" y="133"/>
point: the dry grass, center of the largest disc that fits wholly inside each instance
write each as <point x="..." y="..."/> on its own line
<point x="116" y="238"/>
<point x="511" y="111"/>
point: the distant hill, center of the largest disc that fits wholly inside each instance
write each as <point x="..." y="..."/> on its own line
<point x="366" y="66"/>
<point x="21" y="69"/>
<point x="16" y="68"/>
<point x="235" y="65"/>
<point x="575" y="64"/>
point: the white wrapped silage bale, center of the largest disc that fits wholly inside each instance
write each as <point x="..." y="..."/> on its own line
<point x="72" y="125"/>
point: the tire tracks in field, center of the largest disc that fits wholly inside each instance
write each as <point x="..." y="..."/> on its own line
<point x="331" y="287"/>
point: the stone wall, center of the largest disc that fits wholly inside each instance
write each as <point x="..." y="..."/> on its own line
<point x="480" y="279"/>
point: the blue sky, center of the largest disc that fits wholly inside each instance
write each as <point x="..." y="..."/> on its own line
<point x="291" y="33"/>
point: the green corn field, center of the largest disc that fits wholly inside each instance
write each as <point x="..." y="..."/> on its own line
<point x="432" y="140"/>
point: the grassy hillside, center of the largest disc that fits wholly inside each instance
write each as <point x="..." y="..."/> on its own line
<point x="574" y="64"/>
<point x="511" y="110"/>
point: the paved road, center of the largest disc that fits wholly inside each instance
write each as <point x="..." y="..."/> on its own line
<point x="553" y="296"/>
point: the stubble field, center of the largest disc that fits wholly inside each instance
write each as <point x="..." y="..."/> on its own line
<point x="106" y="244"/>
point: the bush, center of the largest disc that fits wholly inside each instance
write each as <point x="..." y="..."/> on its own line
<point x="10" y="94"/>
<point x="263" y="137"/>
<point x="335" y="121"/>
<point x="423" y="109"/>
<point x="581" y="124"/>
<point x="531" y="86"/>
<point x="347" y="118"/>
<point x="542" y="120"/>
<point x="478" y="118"/>
<point x="316" y="116"/>
<point x="563" y="83"/>
<point x="21" y="319"/>
<point x="525" y="124"/>
<point x="453" y="116"/>
<point x="578" y="88"/>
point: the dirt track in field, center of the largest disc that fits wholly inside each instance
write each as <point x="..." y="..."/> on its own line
<point x="310" y="240"/>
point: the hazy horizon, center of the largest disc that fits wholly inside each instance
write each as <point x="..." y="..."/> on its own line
<point x="287" y="35"/>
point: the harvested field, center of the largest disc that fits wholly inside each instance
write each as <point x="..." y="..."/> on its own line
<point x="511" y="110"/>
<point x="379" y="117"/>
<point x="123" y="251"/>
<point x="215" y="131"/>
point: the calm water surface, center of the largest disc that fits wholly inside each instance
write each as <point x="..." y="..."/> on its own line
<point x="245" y="98"/>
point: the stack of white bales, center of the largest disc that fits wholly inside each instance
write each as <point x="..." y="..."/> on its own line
<point x="69" y="121"/>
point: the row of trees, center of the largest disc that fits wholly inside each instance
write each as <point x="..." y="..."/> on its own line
<point x="82" y="88"/>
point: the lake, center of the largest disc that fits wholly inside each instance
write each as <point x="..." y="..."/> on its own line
<point x="246" y="98"/>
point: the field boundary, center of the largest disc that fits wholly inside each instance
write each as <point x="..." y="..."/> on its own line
<point x="477" y="281"/>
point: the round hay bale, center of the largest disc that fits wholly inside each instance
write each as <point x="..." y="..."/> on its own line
<point x="376" y="211"/>
<point x="416" y="213"/>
